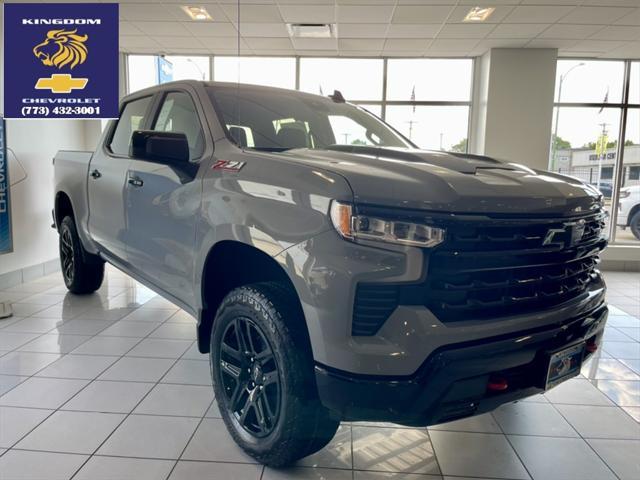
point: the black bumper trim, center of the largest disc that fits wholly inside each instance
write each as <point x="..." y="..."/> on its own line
<point x="452" y="382"/>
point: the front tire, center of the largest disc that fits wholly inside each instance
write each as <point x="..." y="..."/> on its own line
<point x="82" y="272"/>
<point x="263" y="380"/>
<point x="635" y="225"/>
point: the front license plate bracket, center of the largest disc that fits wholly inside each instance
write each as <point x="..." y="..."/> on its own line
<point x="564" y="364"/>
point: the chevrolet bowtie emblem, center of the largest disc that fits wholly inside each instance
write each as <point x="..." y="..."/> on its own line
<point x="61" y="83"/>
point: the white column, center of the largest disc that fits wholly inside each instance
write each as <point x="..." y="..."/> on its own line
<point x="513" y="111"/>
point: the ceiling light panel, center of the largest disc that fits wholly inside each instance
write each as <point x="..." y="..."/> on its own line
<point x="478" y="14"/>
<point x="196" y="13"/>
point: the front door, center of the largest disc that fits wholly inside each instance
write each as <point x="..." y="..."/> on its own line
<point x="108" y="179"/>
<point x="163" y="203"/>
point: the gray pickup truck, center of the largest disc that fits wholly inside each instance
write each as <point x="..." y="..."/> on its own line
<point x="336" y="271"/>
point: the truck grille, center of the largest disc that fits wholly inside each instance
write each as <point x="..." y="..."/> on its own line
<point x="492" y="268"/>
<point x="512" y="266"/>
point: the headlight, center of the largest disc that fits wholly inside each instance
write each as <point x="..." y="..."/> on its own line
<point x="624" y="193"/>
<point x="371" y="228"/>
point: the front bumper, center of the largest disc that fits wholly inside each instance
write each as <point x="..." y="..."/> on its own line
<point x="452" y="382"/>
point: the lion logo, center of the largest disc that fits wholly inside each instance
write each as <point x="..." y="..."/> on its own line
<point x="61" y="48"/>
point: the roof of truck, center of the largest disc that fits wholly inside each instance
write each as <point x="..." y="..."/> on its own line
<point x="201" y="83"/>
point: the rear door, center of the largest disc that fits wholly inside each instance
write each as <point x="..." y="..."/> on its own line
<point x="108" y="179"/>
<point x="164" y="201"/>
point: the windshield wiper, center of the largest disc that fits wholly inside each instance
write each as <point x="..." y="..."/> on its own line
<point x="270" y="149"/>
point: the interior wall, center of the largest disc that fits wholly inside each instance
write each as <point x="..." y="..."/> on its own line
<point x="515" y="105"/>
<point x="34" y="143"/>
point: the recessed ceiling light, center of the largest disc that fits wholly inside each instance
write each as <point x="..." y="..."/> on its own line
<point x="478" y="14"/>
<point x="197" y="13"/>
<point x="312" y="30"/>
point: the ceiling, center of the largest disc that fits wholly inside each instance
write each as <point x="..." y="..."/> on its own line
<point x="582" y="28"/>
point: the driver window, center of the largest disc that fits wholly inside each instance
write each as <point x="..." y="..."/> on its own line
<point x="349" y="132"/>
<point x="178" y="114"/>
<point x="131" y="119"/>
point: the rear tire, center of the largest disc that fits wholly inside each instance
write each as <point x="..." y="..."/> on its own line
<point x="263" y="376"/>
<point x="635" y="225"/>
<point x="82" y="272"/>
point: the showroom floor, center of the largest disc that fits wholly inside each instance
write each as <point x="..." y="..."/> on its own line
<point x="111" y="386"/>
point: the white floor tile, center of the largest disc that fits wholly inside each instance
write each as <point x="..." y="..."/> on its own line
<point x="78" y="366"/>
<point x="54" y="343"/>
<point x="41" y="392"/>
<point x="393" y="450"/>
<point x="186" y="470"/>
<point x="23" y="465"/>
<point x="180" y="400"/>
<point x="118" y="468"/>
<point x="622" y="456"/>
<point x="560" y="459"/>
<point x="160" y="348"/>
<point x="25" y="363"/>
<point x="100" y="345"/>
<point x="16" y="422"/>
<point x="71" y="432"/>
<point x="109" y="396"/>
<point x="477" y="455"/>
<point x="212" y="443"/>
<point x="150" y="436"/>
<point x="533" y="419"/>
<point x="192" y="372"/>
<point x="601" y="422"/>
<point x="137" y="369"/>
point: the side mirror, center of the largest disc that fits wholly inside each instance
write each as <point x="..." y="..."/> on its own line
<point x="167" y="147"/>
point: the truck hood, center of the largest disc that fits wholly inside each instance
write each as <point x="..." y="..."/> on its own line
<point x="449" y="182"/>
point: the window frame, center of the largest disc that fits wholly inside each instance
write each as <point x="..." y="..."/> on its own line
<point x="623" y="106"/>
<point x="382" y="102"/>
<point x="114" y="125"/>
<point x="157" y="108"/>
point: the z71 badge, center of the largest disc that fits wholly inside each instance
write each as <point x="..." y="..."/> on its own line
<point x="227" y="165"/>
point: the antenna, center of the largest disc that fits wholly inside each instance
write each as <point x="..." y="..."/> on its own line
<point x="337" y="97"/>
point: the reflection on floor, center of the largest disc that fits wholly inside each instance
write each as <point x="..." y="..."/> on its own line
<point x="111" y="386"/>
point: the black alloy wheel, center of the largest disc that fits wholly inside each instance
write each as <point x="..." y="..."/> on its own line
<point x="263" y="375"/>
<point x="82" y="271"/>
<point x="66" y="256"/>
<point x="250" y="377"/>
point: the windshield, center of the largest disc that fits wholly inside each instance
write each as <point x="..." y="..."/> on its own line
<point x="278" y="120"/>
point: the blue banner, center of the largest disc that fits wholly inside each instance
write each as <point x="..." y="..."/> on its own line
<point x="6" y="241"/>
<point x="61" y="60"/>
<point x="165" y="70"/>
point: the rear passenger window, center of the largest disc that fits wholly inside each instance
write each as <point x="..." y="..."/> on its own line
<point x="178" y="114"/>
<point x="131" y="119"/>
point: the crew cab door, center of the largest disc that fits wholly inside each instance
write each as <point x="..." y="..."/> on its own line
<point x="164" y="201"/>
<point x="107" y="180"/>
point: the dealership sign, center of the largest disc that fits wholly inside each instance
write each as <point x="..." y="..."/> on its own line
<point x="6" y="244"/>
<point x="61" y="60"/>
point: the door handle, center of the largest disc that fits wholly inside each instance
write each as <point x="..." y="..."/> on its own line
<point x="135" y="181"/>
<point x="96" y="173"/>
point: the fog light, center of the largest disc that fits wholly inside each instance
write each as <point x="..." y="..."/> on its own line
<point x="497" y="384"/>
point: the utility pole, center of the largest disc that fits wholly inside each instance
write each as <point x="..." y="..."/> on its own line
<point x="411" y="122"/>
<point x="441" y="134"/>
<point x="554" y="140"/>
